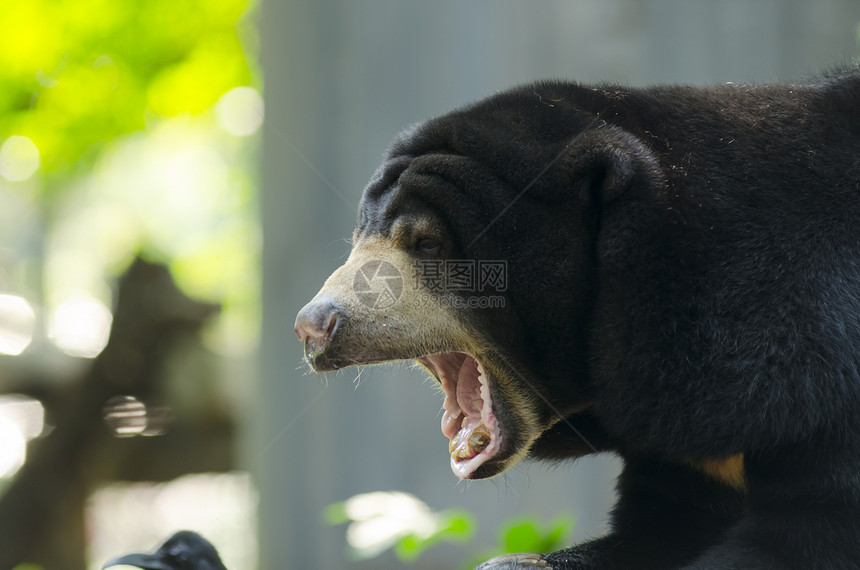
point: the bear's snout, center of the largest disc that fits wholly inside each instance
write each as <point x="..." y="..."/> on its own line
<point x="316" y="323"/>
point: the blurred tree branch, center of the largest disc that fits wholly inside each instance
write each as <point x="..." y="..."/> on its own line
<point x="41" y="513"/>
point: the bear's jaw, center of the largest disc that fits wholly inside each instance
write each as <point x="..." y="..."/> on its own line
<point x="468" y="420"/>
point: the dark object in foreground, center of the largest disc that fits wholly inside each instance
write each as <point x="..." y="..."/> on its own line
<point x="185" y="550"/>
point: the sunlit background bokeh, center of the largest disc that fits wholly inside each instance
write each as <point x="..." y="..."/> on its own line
<point x="128" y="128"/>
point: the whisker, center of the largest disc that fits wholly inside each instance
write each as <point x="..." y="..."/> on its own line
<point x="357" y="379"/>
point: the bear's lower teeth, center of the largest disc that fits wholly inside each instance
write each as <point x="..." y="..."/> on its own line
<point x="479" y="440"/>
<point x="466" y="445"/>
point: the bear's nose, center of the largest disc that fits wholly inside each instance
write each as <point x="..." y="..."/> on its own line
<point x="316" y="323"/>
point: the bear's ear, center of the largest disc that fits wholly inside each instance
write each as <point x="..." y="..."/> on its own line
<point x="606" y="162"/>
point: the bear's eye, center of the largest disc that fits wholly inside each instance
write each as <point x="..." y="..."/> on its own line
<point x="428" y="246"/>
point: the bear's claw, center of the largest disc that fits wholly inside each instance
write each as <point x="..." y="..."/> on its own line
<point x="515" y="562"/>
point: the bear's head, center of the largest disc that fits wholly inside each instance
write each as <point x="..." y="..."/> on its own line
<point x="475" y="256"/>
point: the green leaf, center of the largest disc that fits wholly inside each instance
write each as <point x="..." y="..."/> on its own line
<point x="459" y="525"/>
<point x="527" y="535"/>
<point x="559" y="535"/>
<point x="410" y="547"/>
<point x="522" y="536"/>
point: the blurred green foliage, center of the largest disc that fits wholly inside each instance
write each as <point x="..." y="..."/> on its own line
<point x="120" y="99"/>
<point x="527" y="534"/>
<point x="456" y="526"/>
<point x="75" y="74"/>
<point x="407" y="526"/>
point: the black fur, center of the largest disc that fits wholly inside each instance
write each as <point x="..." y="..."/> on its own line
<point x="684" y="264"/>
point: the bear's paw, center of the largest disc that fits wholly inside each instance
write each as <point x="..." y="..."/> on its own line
<point x="515" y="562"/>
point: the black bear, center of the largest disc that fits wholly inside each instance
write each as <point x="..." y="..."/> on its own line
<point x="671" y="274"/>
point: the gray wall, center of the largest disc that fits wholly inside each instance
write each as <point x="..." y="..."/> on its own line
<point x="341" y="79"/>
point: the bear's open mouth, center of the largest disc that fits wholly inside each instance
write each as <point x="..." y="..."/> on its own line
<point x="468" y="420"/>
